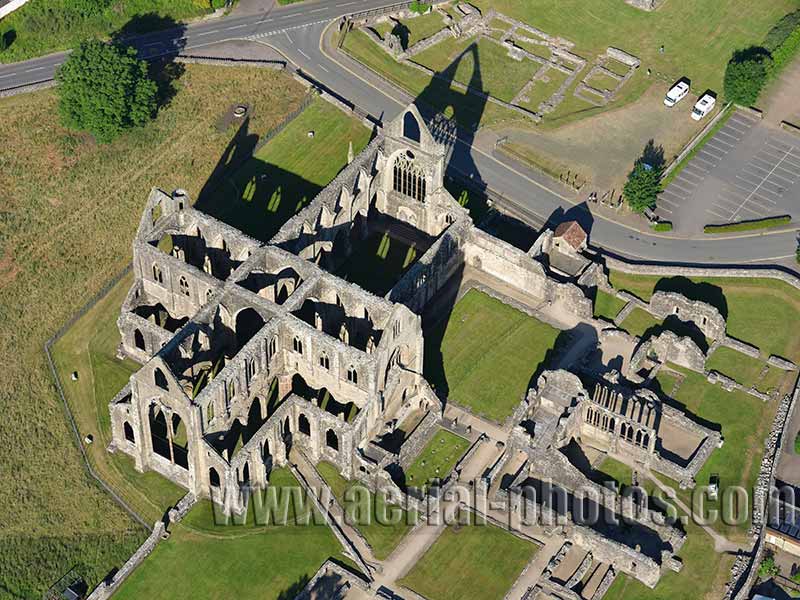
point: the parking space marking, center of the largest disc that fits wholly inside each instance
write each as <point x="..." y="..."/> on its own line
<point x="699" y="156"/>
<point x="724" y="140"/>
<point x="754" y="167"/>
<point x="717" y="147"/>
<point x="686" y="173"/>
<point x="688" y="192"/>
<point x="716" y="214"/>
<point x="694" y="165"/>
<point x="776" y="157"/>
<point x="737" y="130"/>
<point x="672" y="194"/>
<point x="761" y="184"/>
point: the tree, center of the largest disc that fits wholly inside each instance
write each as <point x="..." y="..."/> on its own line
<point x="105" y="89"/>
<point x="746" y="74"/>
<point x="768" y="568"/>
<point x="642" y="187"/>
<point x="86" y="8"/>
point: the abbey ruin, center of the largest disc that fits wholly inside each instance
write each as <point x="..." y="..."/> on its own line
<point x="255" y="355"/>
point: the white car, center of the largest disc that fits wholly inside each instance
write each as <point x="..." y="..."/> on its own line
<point x="676" y="93"/>
<point x="703" y="106"/>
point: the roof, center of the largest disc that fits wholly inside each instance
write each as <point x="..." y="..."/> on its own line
<point x="572" y="233"/>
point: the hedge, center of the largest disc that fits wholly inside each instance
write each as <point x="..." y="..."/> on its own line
<point x="748" y="225"/>
<point x="783" y="54"/>
<point x="662" y="226"/>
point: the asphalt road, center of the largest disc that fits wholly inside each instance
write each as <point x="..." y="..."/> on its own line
<point x="295" y="30"/>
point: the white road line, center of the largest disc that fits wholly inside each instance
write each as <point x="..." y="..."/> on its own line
<point x="348" y="4"/>
<point x="238" y="26"/>
<point x="694" y="165"/>
<point x="759" y="185"/>
<point x="286" y="33"/>
<point x="716" y="214"/>
<point x="664" y="210"/>
<point x="687" y="192"/>
<point x="705" y="160"/>
<point x="207" y="32"/>
<point x="34" y="69"/>
<point x="717" y="146"/>
<point x="742" y="131"/>
<point x="717" y="140"/>
<point x="323" y="68"/>
<point x="317" y="10"/>
<point x="788" y="181"/>
<point x="662" y="199"/>
<point x="304" y="54"/>
<point x="730" y="135"/>
<point x="9" y="75"/>
<point x="771" y="163"/>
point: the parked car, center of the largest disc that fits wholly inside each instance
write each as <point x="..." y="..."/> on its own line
<point x="703" y="106"/>
<point x="676" y="93"/>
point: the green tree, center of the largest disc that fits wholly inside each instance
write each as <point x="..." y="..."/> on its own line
<point x="105" y="89"/>
<point x="642" y="187"/>
<point x="746" y="74"/>
<point x="86" y="8"/>
<point x="768" y="568"/>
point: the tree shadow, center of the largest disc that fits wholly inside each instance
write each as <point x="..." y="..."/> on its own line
<point x="7" y="38"/>
<point x="697" y="291"/>
<point x="652" y="156"/>
<point x="750" y="54"/>
<point x="157" y="39"/>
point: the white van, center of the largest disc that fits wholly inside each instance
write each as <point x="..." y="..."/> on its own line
<point x="676" y="93"/>
<point x="703" y="106"/>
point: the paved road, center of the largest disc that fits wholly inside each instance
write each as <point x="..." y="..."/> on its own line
<point x="296" y="31"/>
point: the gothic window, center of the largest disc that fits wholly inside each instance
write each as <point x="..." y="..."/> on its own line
<point x="184" y="286"/>
<point x="297" y="345"/>
<point x="271" y="349"/>
<point x="411" y="127"/>
<point x="352" y="375"/>
<point x="210" y="412"/>
<point x="324" y="361"/>
<point x="250" y="370"/>
<point x="409" y="177"/>
<point x="303" y="425"/>
<point x="138" y="339"/>
<point x="158" y="277"/>
<point x="332" y="440"/>
<point x="160" y="379"/>
<point x="129" y="433"/>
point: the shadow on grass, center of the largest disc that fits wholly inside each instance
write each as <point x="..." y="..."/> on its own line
<point x="681" y="328"/>
<point x="703" y="292"/>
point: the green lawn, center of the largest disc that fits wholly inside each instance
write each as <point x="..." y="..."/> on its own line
<point x="423" y="26"/>
<point x="758" y="309"/>
<point x="639" y="321"/>
<point x="286" y="174"/>
<point x="89" y="347"/>
<point x="543" y="90"/>
<point x="437" y="459"/>
<point x="485" y="354"/>
<point x="480" y="562"/>
<point x="378" y="262"/>
<point x="44" y="26"/>
<point x="382" y="536"/>
<point x="202" y="560"/>
<point x="602" y="81"/>
<point x="607" y="306"/>
<point x="740" y="367"/>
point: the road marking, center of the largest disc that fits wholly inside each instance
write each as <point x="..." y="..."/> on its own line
<point x="34" y="69"/>
<point x="760" y="184"/>
<point x="9" y="75"/>
<point x="716" y="214"/>
<point x="303" y="53"/>
<point x="287" y="37"/>
<point x="323" y="68"/>
<point x="317" y="10"/>
<point x="239" y="26"/>
<point x="207" y="32"/>
<point x="730" y="135"/>
<point x="348" y="4"/>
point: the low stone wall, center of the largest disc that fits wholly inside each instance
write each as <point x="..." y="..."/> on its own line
<point x="331" y="575"/>
<point x="417" y="440"/>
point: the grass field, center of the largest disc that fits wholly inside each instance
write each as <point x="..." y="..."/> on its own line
<point x="757" y="309"/>
<point x="607" y="306"/>
<point x="378" y="262"/>
<point x="89" y="347"/>
<point x="480" y="562"/>
<point x="639" y="321"/>
<point x="381" y="536"/>
<point x="286" y="174"/>
<point x="485" y="354"/>
<point x="70" y="209"/>
<point x="44" y="26"/>
<point x="740" y="367"/>
<point x="437" y="459"/>
<point x="205" y="561"/>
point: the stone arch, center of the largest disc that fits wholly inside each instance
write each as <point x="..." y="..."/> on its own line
<point x="646" y="441"/>
<point x="408" y="177"/>
<point x="213" y="477"/>
<point x="411" y="129"/>
<point x="158" y="276"/>
<point x="639" y="437"/>
<point x="180" y="442"/>
<point x="332" y="440"/>
<point x="160" y="379"/>
<point x="299" y="386"/>
<point x="183" y="284"/>
<point x="352" y="375"/>
<point x="128" y="430"/>
<point x="248" y="323"/>
<point x="159" y="438"/>
<point x="303" y="424"/>
<point x="297" y="345"/>
<point x="138" y="340"/>
<point x="324" y="361"/>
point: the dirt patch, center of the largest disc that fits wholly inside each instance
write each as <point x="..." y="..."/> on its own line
<point x="781" y="97"/>
<point x="603" y="148"/>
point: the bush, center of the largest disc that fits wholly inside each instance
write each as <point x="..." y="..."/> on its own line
<point x="768" y="568"/>
<point x="642" y="188"/>
<point x="419" y="7"/>
<point x="784" y="54"/>
<point x="748" y="225"/>
<point x="781" y="31"/>
<point x="662" y="226"/>
<point x="86" y="8"/>
<point x="746" y="75"/>
<point x="105" y="89"/>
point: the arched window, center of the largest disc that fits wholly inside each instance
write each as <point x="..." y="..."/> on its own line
<point x="138" y="339"/>
<point x="332" y="440"/>
<point x="324" y="361"/>
<point x="158" y="277"/>
<point x="213" y="477"/>
<point x="352" y="375"/>
<point x="303" y="425"/>
<point x="639" y="438"/>
<point x="272" y="348"/>
<point x="411" y="127"/>
<point x="409" y="177"/>
<point x="297" y="345"/>
<point x="184" y="286"/>
<point x="160" y="379"/>
<point x="129" y="433"/>
<point x="250" y="370"/>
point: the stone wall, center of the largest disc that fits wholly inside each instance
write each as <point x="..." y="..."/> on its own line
<point x="706" y="317"/>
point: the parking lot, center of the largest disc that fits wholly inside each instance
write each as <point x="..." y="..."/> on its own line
<point x="748" y="170"/>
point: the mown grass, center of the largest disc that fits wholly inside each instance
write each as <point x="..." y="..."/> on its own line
<point x="639" y="321"/>
<point x="485" y="354"/>
<point x="286" y="174"/>
<point x="437" y="459"/>
<point x="475" y="561"/>
<point x="740" y="367"/>
<point x="382" y="536"/>
<point x="378" y="262"/>
<point x="44" y="26"/>
<point x="89" y="347"/>
<point x="758" y="309"/>
<point x="206" y="561"/>
<point x="607" y="306"/>
<point x="70" y="209"/>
